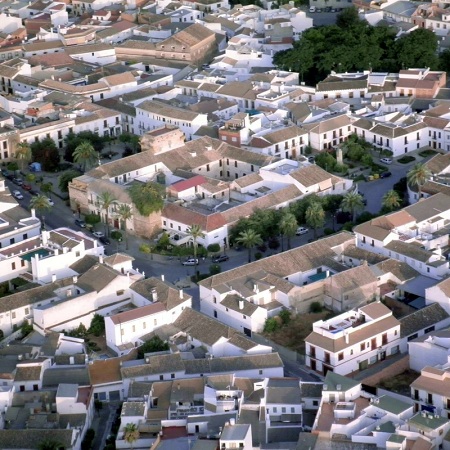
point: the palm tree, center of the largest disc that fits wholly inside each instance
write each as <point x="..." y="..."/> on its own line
<point x="315" y="216"/>
<point x="85" y="154"/>
<point x="288" y="227"/>
<point x="23" y="153"/>
<point x="195" y="231"/>
<point x="131" y="434"/>
<point x="391" y="200"/>
<point x="249" y="238"/>
<point x="106" y="200"/>
<point x="351" y="203"/>
<point x="40" y="203"/>
<point x="125" y="213"/>
<point x="418" y="176"/>
<point x="49" y="444"/>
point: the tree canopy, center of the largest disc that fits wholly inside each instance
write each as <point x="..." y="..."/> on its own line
<point x="355" y="45"/>
<point x="45" y="153"/>
<point x="73" y="140"/>
<point x="147" y="197"/>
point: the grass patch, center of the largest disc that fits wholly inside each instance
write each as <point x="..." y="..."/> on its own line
<point x="400" y="383"/>
<point x="406" y="159"/>
<point x="292" y="335"/>
<point x="426" y="153"/>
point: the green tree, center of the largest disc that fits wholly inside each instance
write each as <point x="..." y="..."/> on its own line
<point x="131" y="434"/>
<point x="249" y="239"/>
<point x="147" y="197"/>
<point x="65" y="178"/>
<point x="327" y="161"/>
<point x="352" y="203"/>
<point x="41" y="204"/>
<point x="97" y="326"/>
<point x="23" y="153"/>
<point x="31" y="178"/>
<point x="106" y="200"/>
<point x="125" y="213"/>
<point x="117" y="236"/>
<point x="271" y="325"/>
<point x="86" y="155"/>
<point x="46" y="153"/>
<point x="146" y="249"/>
<point x="72" y="141"/>
<point x="153" y="345"/>
<point x="132" y="139"/>
<point x="47" y="188"/>
<point x="391" y="200"/>
<point x="92" y="219"/>
<point x="288" y="226"/>
<point x="418" y="176"/>
<point x="417" y="49"/>
<point x="315" y="217"/>
<point x="195" y="232"/>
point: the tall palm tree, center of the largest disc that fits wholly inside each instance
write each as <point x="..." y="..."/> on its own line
<point x="125" y="213"/>
<point x="85" y="154"/>
<point x="315" y="216"/>
<point x="418" y="176"/>
<point x="106" y="200"/>
<point x="23" y="153"/>
<point x="195" y="232"/>
<point x="249" y="238"/>
<point x="288" y="227"/>
<point x="131" y="434"/>
<point x="41" y="204"/>
<point x="391" y="200"/>
<point x="351" y="203"/>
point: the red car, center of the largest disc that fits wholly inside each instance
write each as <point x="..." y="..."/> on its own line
<point x="26" y="186"/>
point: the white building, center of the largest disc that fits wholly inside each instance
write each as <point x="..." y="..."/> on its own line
<point x="354" y="340"/>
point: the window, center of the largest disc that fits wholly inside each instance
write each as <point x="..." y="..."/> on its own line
<point x="13" y="266"/>
<point x="429" y="329"/>
<point x="315" y="403"/>
<point x="27" y="311"/>
<point x="161" y="377"/>
<point x="340" y="356"/>
<point x="274" y="409"/>
<point x="172" y="375"/>
<point x="244" y="317"/>
<point x="122" y="332"/>
<point x="283" y="409"/>
<point x="13" y="315"/>
<point x="155" y="322"/>
<point x="384" y="339"/>
<point x="120" y="292"/>
<point x="260" y="371"/>
<point x="362" y="346"/>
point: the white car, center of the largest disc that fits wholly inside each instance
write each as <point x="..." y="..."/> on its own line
<point x="190" y="262"/>
<point x="50" y="202"/>
<point x="18" y="195"/>
<point x="386" y="160"/>
<point x="301" y="230"/>
<point x="312" y="9"/>
<point x="98" y="234"/>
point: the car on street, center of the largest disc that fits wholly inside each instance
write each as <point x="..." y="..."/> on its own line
<point x="5" y="173"/>
<point x="104" y="240"/>
<point x="80" y="223"/>
<point x="311" y="159"/>
<point x="312" y="9"/>
<point x="386" y="174"/>
<point x="18" y="181"/>
<point x="190" y="262"/>
<point x="18" y="195"/>
<point x="34" y="193"/>
<point x="26" y="186"/>
<point x="301" y="230"/>
<point x="221" y="258"/>
<point x="386" y="160"/>
<point x="98" y="234"/>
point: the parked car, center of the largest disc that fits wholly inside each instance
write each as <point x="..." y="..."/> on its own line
<point x="5" y="173"/>
<point x="190" y="262"/>
<point x="18" y="181"/>
<point x="311" y="159"/>
<point x="98" y="234"/>
<point x="312" y="9"/>
<point x="34" y="193"/>
<point x="26" y="186"/>
<point x="386" y="160"/>
<point x="301" y="230"/>
<point x="80" y="223"/>
<point x="221" y="258"/>
<point x="50" y="201"/>
<point x="18" y="195"/>
<point x="386" y="174"/>
<point x="104" y="240"/>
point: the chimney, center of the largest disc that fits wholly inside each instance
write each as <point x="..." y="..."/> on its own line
<point x="241" y="304"/>
<point x="347" y="340"/>
<point x="53" y="277"/>
<point x="75" y="279"/>
<point x="154" y="295"/>
<point x="181" y="293"/>
<point x="100" y="259"/>
<point x="162" y="277"/>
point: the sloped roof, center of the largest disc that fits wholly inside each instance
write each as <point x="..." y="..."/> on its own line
<point x="421" y="319"/>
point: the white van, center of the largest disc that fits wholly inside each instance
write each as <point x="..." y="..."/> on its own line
<point x="312" y="9"/>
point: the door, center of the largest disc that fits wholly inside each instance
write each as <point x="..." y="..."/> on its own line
<point x="363" y="364"/>
<point x="248" y="332"/>
<point x="382" y="356"/>
<point x="313" y="365"/>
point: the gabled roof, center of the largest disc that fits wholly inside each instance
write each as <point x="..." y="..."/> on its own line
<point x="333" y="380"/>
<point x="421" y="319"/>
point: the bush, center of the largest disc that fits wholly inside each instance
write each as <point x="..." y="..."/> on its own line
<point x="262" y="248"/>
<point x="155" y="344"/>
<point x="258" y="255"/>
<point x="328" y="231"/>
<point x="86" y="444"/>
<point x="315" y="307"/>
<point x="406" y="159"/>
<point x="213" y="248"/>
<point x="97" y="325"/>
<point x="274" y="243"/>
<point x="285" y="316"/>
<point x="26" y="328"/>
<point x="271" y="325"/>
